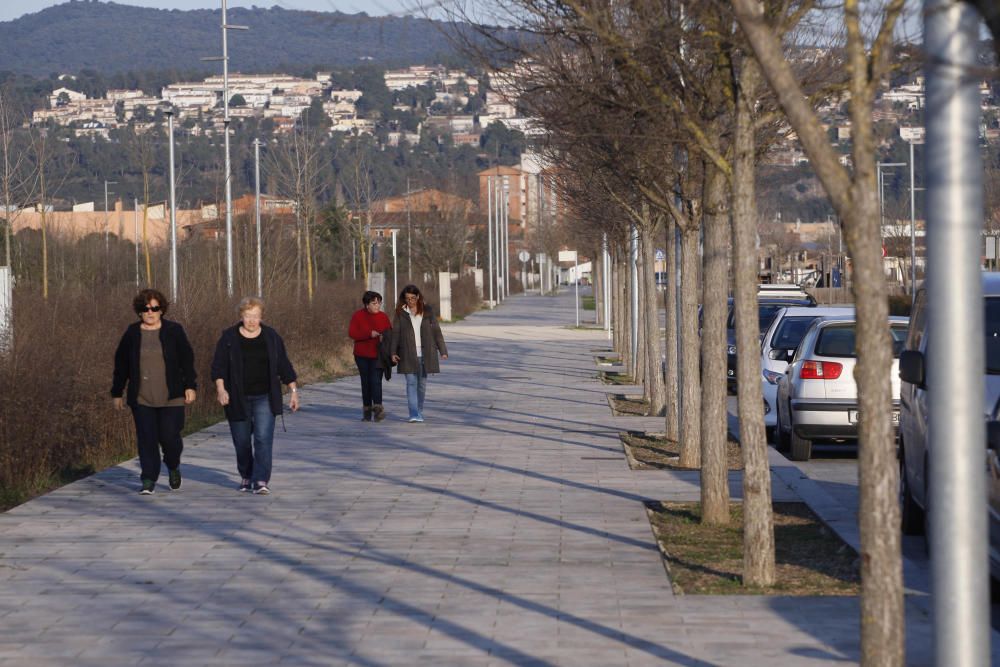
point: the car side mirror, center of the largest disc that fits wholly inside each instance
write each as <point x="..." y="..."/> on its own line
<point x="911" y="368"/>
<point x="993" y="435"/>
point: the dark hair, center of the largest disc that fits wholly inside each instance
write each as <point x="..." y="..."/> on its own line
<point x="410" y="289"/>
<point x="370" y="296"/>
<point x="143" y="298"/>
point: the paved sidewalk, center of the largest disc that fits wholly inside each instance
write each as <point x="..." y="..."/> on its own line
<point x="507" y="530"/>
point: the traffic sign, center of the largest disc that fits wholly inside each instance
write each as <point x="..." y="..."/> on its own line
<point x="524" y="255"/>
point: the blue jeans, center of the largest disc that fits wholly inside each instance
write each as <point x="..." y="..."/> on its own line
<point x="253" y="459"/>
<point x="416" y="387"/>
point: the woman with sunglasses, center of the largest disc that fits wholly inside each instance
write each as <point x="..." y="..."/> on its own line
<point x="155" y="361"/>
<point x="415" y="344"/>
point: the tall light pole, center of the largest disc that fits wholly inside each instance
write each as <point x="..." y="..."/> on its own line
<point x="955" y="360"/>
<point x="881" y="194"/>
<point x="173" y="212"/>
<point x="506" y="238"/>
<point x="256" y="212"/>
<point x="489" y="234"/>
<point x="135" y="217"/>
<point x="395" y="282"/>
<point x="225" y="123"/>
<point x="107" y="226"/>
<point x="409" y="235"/>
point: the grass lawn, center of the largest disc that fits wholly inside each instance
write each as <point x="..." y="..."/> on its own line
<point x="653" y="450"/>
<point x="707" y="560"/>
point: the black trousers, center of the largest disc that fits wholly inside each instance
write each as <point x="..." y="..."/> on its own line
<point x="371" y="380"/>
<point x="156" y="428"/>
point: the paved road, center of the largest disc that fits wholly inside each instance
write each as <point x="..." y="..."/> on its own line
<point x="507" y="530"/>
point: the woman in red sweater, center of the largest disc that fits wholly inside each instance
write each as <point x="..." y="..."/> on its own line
<point x="366" y="329"/>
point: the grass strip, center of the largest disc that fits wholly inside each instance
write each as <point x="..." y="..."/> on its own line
<point x="810" y="559"/>
<point x="654" y="451"/>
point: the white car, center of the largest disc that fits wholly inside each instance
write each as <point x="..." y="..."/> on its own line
<point x="817" y="396"/>
<point x="779" y="344"/>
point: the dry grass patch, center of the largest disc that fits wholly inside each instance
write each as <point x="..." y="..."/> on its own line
<point x="654" y="451"/>
<point x="615" y="377"/>
<point x="708" y="560"/>
<point x="625" y="406"/>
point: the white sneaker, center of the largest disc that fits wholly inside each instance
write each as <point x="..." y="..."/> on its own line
<point x="261" y="490"/>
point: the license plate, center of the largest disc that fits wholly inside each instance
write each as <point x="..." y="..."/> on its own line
<point x="853" y="416"/>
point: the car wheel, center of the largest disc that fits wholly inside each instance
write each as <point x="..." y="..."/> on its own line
<point x="912" y="514"/>
<point x="801" y="449"/>
<point x="781" y="437"/>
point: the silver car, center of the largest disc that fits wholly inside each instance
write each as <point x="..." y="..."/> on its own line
<point x="913" y="455"/>
<point x="817" y="396"/>
<point x="780" y="341"/>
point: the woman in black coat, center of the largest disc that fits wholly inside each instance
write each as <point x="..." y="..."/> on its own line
<point x="249" y="365"/>
<point x="416" y="343"/>
<point x="155" y="361"/>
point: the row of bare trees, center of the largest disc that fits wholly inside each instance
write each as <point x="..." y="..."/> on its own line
<point x="658" y="113"/>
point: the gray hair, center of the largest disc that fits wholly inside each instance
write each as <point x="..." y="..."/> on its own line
<point x="248" y="302"/>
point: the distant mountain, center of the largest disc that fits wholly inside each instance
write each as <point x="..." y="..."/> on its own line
<point x="110" y="37"/>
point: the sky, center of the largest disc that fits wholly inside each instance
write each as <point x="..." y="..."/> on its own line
<point x="12" y="9"/>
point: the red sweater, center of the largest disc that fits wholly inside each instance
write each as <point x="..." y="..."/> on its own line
<point x="360" y="329"/>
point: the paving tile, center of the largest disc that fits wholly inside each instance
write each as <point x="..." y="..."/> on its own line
<point x="494" y="534"/>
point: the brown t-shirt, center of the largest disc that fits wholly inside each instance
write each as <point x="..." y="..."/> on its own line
<point x="153" y="392"/>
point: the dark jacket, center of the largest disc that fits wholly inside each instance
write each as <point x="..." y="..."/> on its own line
<point x="404" y="343"/>
<point x="178" y="360"/>
<point x="385" y="361"/>
<point x="227" y="364"/>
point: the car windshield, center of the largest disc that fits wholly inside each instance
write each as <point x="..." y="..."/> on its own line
<point x="992" y="317"/>
<point x="765" y="315"/>
<point x="790" y="332"/>
<point x="838" y="340"/>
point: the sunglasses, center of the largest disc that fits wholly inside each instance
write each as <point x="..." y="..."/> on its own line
<point x="151" y="309"/>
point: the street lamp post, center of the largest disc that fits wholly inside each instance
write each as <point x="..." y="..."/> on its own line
<point x="881" y="194"/>
<point x="489" y="234"/>
<point x="107" y="226"/>
<point x="256" y="210"/>
<point x="173" y="212"/>
<point x="225" y="122"/>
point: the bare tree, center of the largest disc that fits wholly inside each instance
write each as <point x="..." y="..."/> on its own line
<point x="866" y="56"/>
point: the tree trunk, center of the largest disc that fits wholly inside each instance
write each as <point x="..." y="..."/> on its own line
<point x="690" y="441"/>
<point x="671" y="387"/>
<point x="714" y="428"/>
<point x="650" y="306"/>
<point x="758" y="521"/>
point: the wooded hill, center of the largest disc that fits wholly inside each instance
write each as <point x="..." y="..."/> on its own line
<point x="110" y="37"/>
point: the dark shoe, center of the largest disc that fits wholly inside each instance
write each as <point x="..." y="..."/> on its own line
<point x="148" y="487"/>
<point x="378" y="413"/>
<point x="245" y="485"/>
<point x="367" y="417"/>
<point x="261" y="489"/>
<point x="175" y="478"/>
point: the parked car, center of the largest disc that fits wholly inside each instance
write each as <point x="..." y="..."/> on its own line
<point x="817" y="396"/>
<point x="791" y="291"/>
<point x="767" y="308"/>
<point x="913" y="445"/>
<point x="778" y="346"/>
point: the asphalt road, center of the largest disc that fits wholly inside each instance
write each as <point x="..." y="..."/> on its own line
<point x="835" y="469"/>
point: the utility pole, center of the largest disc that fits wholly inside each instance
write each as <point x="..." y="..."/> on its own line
<point x="409" y="235"/>
<point x="955" y="357"/>
<point x="107" y="247"/>
<point x="135" y="206"/>
<point x="489" y="235"/>
<point x="256" y="210"/>
<point x="173" y="212"/>
<point x="225" y="123"/>
<point x="395" y="281"/>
